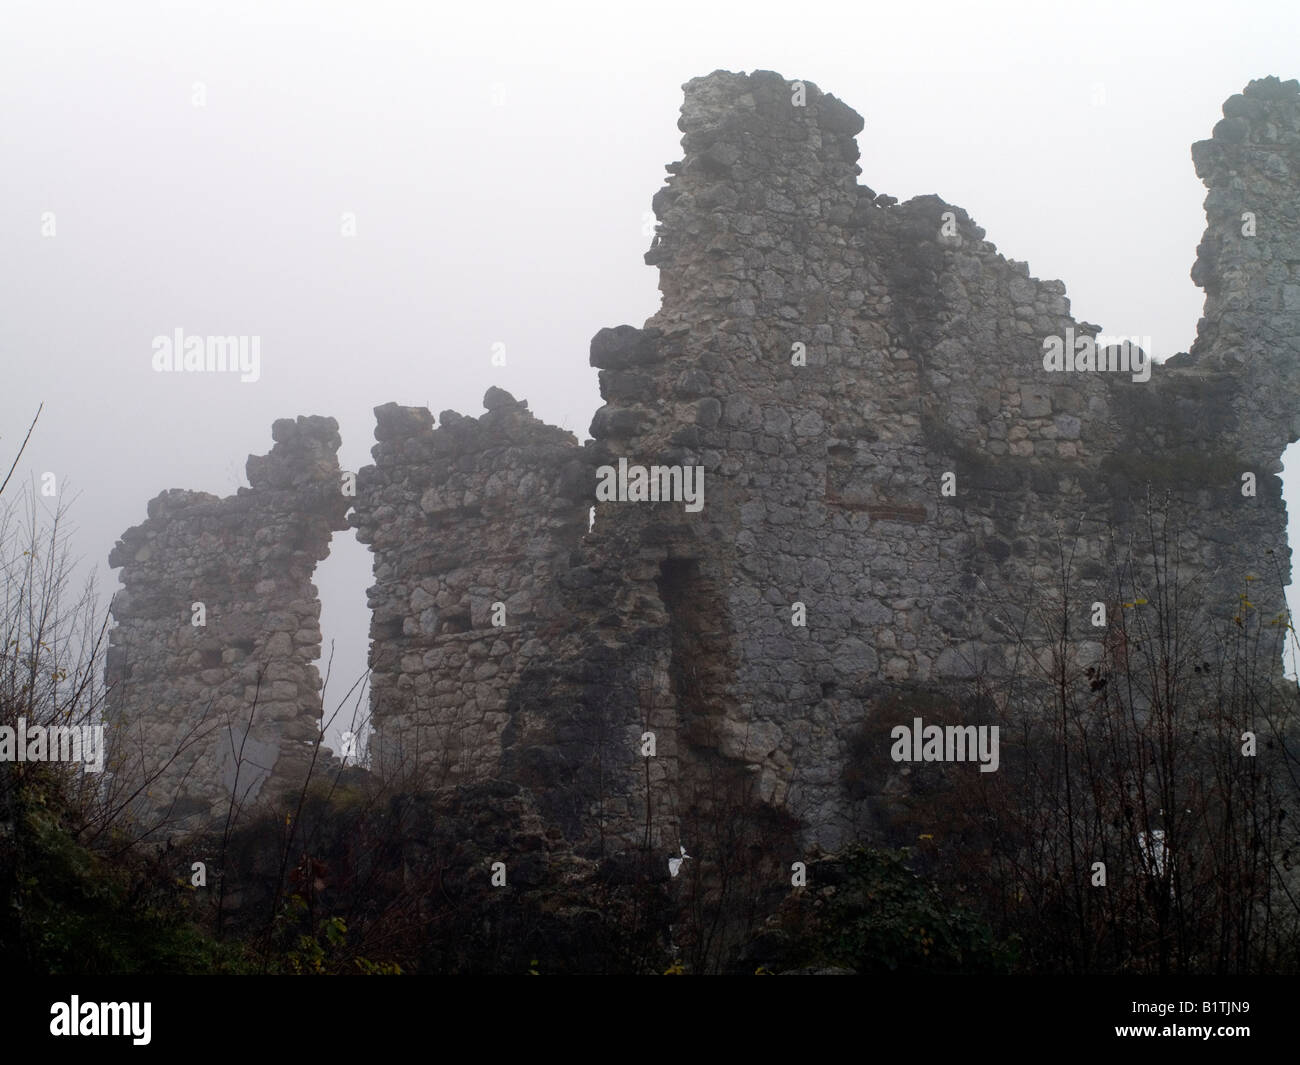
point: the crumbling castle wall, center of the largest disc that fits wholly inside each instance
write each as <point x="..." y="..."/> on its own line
<point x="470" y="524"/>
<point x="213" y="697"/>
<point x="1248" y="262"/>
<point x="913" y="483"/>
<point x="502" y="643"/>
<point x="899" y="485"/>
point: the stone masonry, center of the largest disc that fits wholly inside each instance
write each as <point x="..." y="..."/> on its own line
<point x="498" y="504"/>
<point x="886" y="457"/>
<point x="223" y="702"/>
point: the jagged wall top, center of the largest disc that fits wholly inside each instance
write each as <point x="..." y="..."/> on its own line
<point x="1249" y="259"/>
<point x="507" y="639"/>
<point x="212" y="689"/>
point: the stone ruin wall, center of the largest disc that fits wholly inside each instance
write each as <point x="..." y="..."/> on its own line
<point x="924" y="357"/>
<point x="470" y="523"/>
<point x="230" y="708"/>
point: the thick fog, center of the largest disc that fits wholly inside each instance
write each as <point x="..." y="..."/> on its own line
<point x="386" y="193"/>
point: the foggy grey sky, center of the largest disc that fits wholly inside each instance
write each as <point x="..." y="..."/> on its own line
<point x="500" y="159"/>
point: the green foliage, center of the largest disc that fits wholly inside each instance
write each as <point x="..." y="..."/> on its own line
<point x="72" y="911"/>
<point x="310" y="953"/>
<point x="377" y="968"/>
<point x="872" y="914"/>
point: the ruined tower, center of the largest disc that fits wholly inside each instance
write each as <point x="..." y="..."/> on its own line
<point x="897" y="474"/>
<point x="213" y="696"/>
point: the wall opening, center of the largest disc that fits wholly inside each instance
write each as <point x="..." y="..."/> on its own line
<point x="341" y="581"/>
<point x="1291" y="497"/>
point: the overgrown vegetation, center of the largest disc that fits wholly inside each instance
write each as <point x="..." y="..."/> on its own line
<point x="1127" y="829"/>
<point x="1143" y="818"/>
<point x="866" y="911"/>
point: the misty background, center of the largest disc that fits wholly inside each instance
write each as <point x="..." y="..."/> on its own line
<point x="499" y="159"/>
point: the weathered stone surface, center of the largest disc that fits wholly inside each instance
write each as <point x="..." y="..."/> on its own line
<point x="832" y="359"/>
<point x="182" y="695"/>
